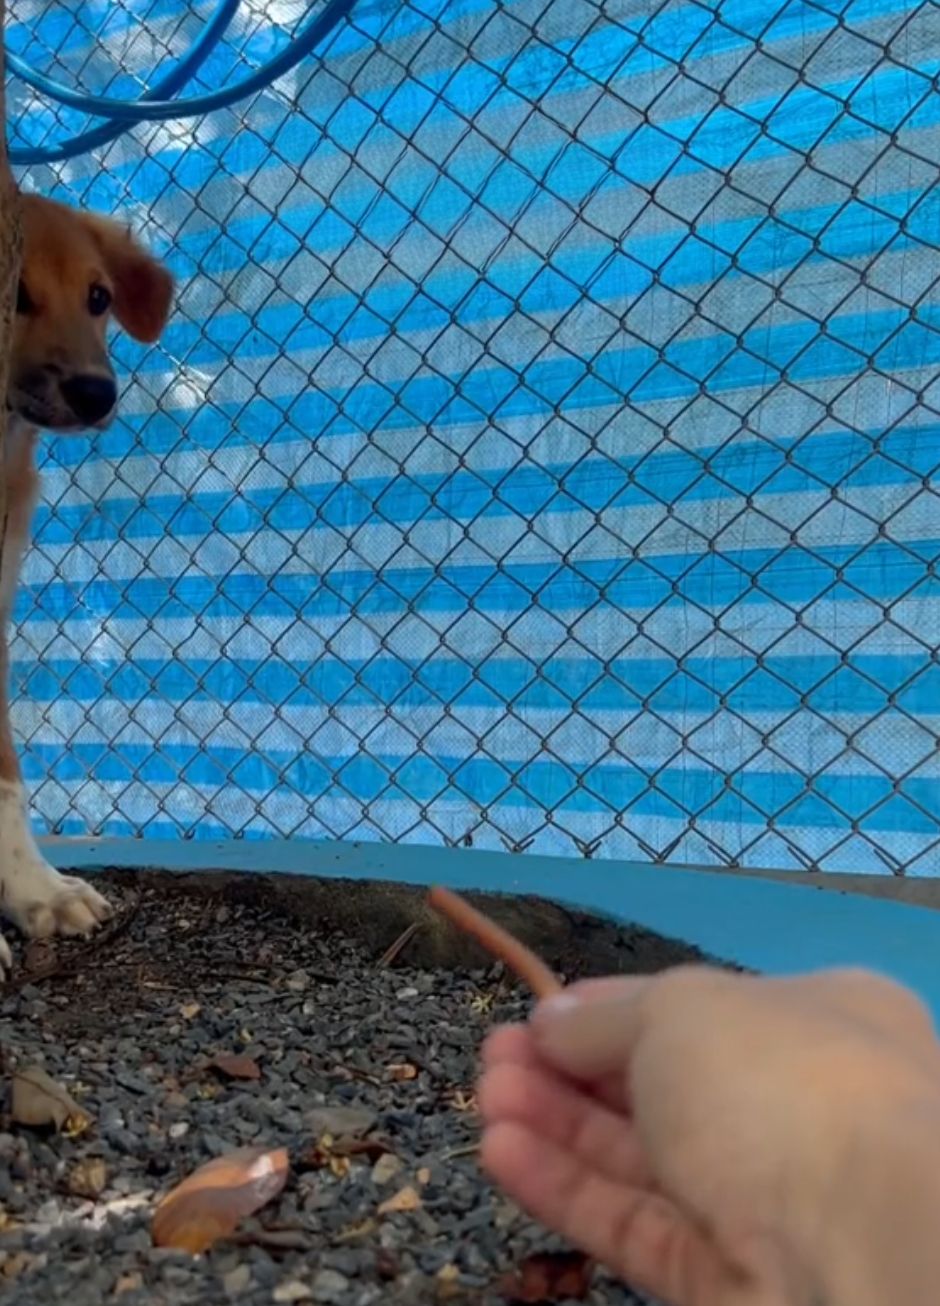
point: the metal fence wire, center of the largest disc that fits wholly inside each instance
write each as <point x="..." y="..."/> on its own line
<point x="544" y="450"/>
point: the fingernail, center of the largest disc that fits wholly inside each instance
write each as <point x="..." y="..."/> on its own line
<point x="557" y="1005"/>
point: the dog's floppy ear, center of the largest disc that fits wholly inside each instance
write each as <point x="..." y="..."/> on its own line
<point x="143" y="288"/>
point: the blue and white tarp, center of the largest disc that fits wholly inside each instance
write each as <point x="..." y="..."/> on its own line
<point x="544" y="451"/>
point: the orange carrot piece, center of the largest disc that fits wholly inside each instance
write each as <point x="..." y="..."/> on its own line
<point x="497" y="941"/>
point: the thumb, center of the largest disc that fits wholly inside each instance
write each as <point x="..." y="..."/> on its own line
<point x="588" y="1036"/>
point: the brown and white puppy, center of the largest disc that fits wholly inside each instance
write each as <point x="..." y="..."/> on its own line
<point x="78" y="271"/>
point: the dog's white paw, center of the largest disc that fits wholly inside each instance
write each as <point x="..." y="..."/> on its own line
<point x="33" y="895"/>
<point x="44" y="902"/>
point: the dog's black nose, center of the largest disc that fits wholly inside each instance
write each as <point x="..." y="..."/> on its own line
<point x="90" y="397"/>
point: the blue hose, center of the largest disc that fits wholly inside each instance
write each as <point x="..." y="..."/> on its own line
<point x="157" y="104"/>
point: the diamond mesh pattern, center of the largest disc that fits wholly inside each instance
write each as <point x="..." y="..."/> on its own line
<point x="544" y="451"/>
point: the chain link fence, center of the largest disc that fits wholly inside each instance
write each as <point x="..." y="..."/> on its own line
<point x="544" y="451"/>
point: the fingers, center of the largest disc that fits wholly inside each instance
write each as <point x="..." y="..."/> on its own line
<point x="590" y="1039"/>
<point x="881" y="1002"/>
<point x="637" y="1234"/>
<point x="514" y="1045"/>
<point x="608" y="986"/>
<point x="509" y="1043"/>
<point x="591" y="1029"/>
<point x="530" y="1095"/>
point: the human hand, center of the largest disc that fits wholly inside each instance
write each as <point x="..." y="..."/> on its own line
<point x="719" y="1139"/>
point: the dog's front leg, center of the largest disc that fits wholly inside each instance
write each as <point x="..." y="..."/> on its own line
<point x="33" y="895"/>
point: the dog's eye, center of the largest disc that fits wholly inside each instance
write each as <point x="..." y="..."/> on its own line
<point x="99" y="300"/>
<point x="23" y="302"/>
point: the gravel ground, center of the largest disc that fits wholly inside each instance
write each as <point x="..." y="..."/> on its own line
<point x="128" y="1026"/>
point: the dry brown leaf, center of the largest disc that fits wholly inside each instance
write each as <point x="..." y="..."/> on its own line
<point x="88" y="1178"/>
<point x="353" y="1232"/>
<point x="37" y="1101"/>
<point x="549" y="1277"/>
<point x="401" y="1071"/>
<point x="335" y="1153"/>
<point x="462" y="1100"/>
<point x="190" y="1010"/>
<point x="369" y="1148"/>
<point x="235" y="1066"/>
<point x="406" y="1199"/>
<point x="210" y="1203"/>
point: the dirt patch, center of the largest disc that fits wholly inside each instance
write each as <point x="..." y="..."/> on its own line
<point x="284" y="972"/>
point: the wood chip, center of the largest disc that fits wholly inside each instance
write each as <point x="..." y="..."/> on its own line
<point x="406" y="1199"/>
<point x="235" y="1066"/>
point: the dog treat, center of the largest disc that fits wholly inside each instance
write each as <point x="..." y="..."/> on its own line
<point x="497" y="941"/>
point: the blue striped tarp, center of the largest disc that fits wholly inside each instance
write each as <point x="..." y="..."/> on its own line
<point x="543" y="453"/>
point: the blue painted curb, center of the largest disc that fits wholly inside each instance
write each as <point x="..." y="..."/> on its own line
<point x="764" y="925"/>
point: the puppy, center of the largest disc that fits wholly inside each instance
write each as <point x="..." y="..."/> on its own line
<point x="78" y="271"/>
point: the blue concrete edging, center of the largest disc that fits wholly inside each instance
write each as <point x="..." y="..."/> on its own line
<point x="765" y="925"/>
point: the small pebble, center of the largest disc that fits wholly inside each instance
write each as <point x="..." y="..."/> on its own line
<point x="386" y="1167"/>
<point x="237" y="1281"/>
<point x="329" y="1286"/>
<point x="292" y="1290"/>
